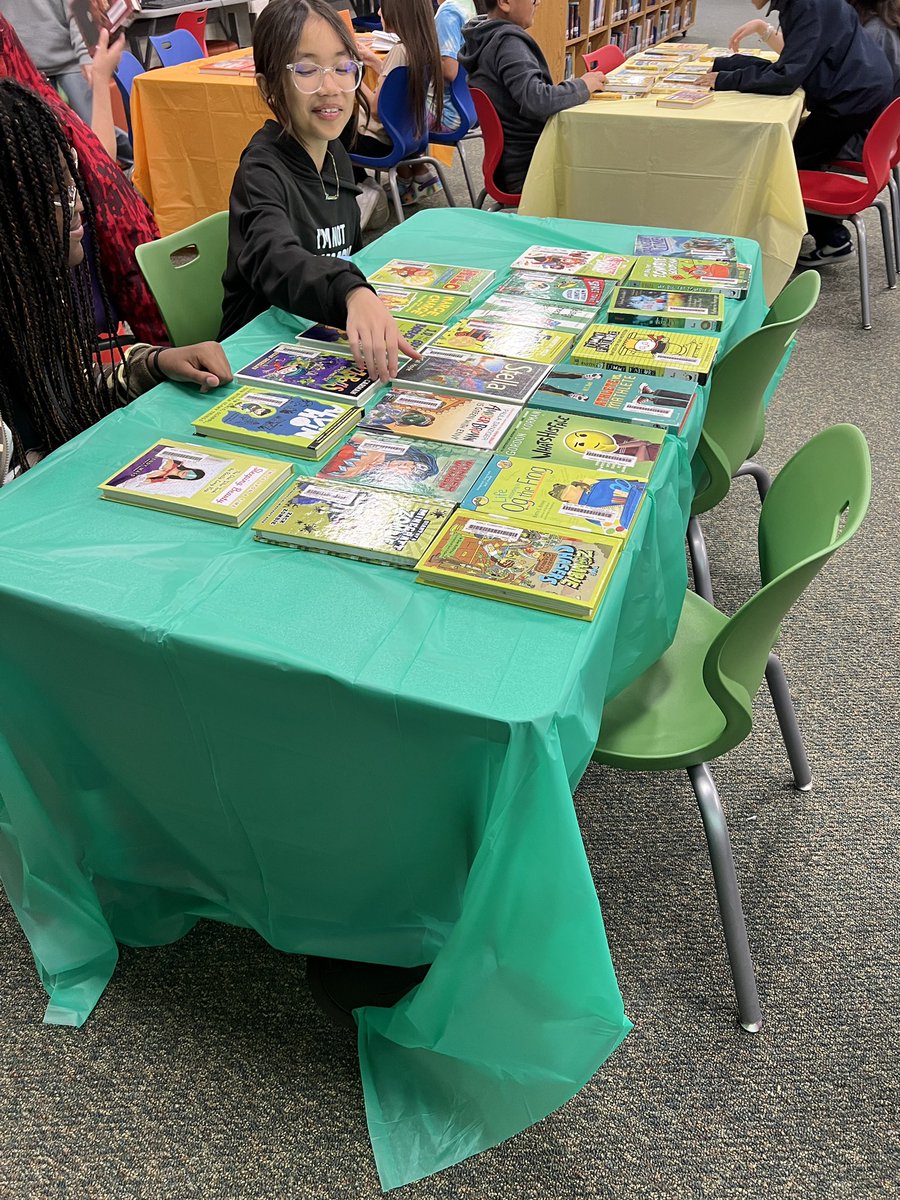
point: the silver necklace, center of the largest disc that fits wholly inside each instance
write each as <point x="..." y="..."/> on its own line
<point x="336" y="178"/>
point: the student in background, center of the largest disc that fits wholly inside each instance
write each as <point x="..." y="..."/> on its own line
<point x="847" y="82"/>
<point x="294" y="219"/>
<point x="51" y="387"/>
<point x="449" y="20"/>
<point x="507" y="64"/>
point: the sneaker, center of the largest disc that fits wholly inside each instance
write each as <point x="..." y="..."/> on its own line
<point x="408" y="192"/>
<point x="829" y="253"/>
<point x="427" y="185"/>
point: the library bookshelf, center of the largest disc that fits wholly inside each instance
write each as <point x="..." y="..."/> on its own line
<point x="567" y="29"/>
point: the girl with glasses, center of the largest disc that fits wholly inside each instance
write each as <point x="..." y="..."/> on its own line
<point x="51" y="387"/>
<point x="294" y="218"/>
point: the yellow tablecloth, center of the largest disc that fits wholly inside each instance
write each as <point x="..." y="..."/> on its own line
<point x="190" y="127"/>
<point x="727" y="167"/>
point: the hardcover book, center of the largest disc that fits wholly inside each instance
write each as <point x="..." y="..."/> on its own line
<point x="289" y="367"/>
<point x="677" y="49"/>
<point x="91" y="16"/>
<point x="417" y="333"/>
<point x="515" y="341"/>
<point x="456" y="420"/>
<point x="292" y="424"/>
<point x="702" y="312"/>
<point x="214" y="485"/>
<point x="243" y="65"/>
<point x="397" y="465"/>
<point x="587" y="390"/>
<point x="539" y="568"/>
<point x="547" y="285"/>
<point x="699" y="245"/>
<point x="434" y="308"/>
<point x="432" y="277"/>
<point x="560" y="260"/>
<point x="556" y="495"/>
<point x="585" y="442"/>
<point x="355" y="522"/>
<point x="630" y="83"/>
<point x="668" y="352"/>
<point x="509" y="310"/>
<point x="732" y="279"/>
<point x="462" y="373"/>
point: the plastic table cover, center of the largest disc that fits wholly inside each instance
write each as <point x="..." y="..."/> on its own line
<point x="193" y="724"/>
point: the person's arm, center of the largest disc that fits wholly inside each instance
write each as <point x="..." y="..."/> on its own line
<point x="520" y="73"/>
<point x="763" y="30"/>
<point x="146" y="366"/>
<point x="103" y="67"/>
<point x="449" y="68"/>
<point x="799" y="56"/>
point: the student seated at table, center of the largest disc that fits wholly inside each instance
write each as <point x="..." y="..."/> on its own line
<point x="449" y="20"/>
<point x="847" y="81"/>
<point x="293" y="212"/>
<point x="506" y="63"/>
<point x="51" y="387"/>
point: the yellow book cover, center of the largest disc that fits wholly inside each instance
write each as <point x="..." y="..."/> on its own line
<point x="675" y="353"/>
<point x="513" y="341"/>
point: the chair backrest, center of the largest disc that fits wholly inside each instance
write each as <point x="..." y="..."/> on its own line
<point x="189" y="293"/>
<point x="492" y="130"/>
<point x="346" y="16"/>
<point x="176" y="47"/>
<point x="606" y="59"/>
<point x="194" y="23"/>
<point x="396" y="117"/>
<point x="737" y="393"/>
<point x="126" y="72"/>
<point x="881" y="149"/>
<point x="463" y="103"/>
<point x="816" y="504"/>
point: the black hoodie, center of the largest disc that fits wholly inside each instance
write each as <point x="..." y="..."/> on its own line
<point x="507" y="64"/>
<point x="284" y="236"/>
<point x="826" y="53"/>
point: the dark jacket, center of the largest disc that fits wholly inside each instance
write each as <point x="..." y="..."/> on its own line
<point x="825" y="52"/>
<point x="284" y="237"/>
<point x="507" y="64"/>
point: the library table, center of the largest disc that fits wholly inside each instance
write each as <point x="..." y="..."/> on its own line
<point x="194" y="725"/>
<point x="728" y="167"/>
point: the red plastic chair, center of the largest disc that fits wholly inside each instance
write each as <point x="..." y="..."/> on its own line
<point x="838" y="195"/>
<point x="893" y="183"/>
<point x="195" y="23"/>
<point x="606" y="59"/>
<point x="492" y="130"/>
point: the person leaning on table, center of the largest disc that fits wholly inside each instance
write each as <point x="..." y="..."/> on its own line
<point x="847" y="81"/>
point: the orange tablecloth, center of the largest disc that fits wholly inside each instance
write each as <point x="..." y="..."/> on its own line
<point x="190" y="128"/>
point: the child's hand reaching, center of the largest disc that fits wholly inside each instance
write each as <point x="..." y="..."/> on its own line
<point x="758" y="27"/>
<point x="374" y="338"/>
<point x="104" y="61"/>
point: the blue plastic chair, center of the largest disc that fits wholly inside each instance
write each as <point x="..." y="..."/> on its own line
<point x="127" y="71"/>
<point x="406" y="147"/>
<point x="176" y="47"/>
<point x="468" y="127"/>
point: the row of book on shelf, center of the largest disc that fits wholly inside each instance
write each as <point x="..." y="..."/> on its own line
<point x="510" y="460"/>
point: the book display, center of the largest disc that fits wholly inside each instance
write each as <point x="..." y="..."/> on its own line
<point x="666" y="352"/>
<point x="297" y="425"/>
<point x="585" y="442"/>
<point x="732" y="279"/>
<point x="515" y="341"/>
<point x="702" y="312"/>
<point x="400" y="465"/>
<point x="465" y="374"/>
<point x="589" y="391"/>
<point x="544" y="285"/>
<point x="457" y="420"/>
<point x="292" y="368"/>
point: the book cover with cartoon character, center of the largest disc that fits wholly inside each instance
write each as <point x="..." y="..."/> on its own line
<point x="547" y="285"/>
<point x="417" y="333"/>
<point x="699" y="312"/>
<point x="290" y="423"/>
<point x="308" y="369"/>
<point x="667" y="352"/>
<point x="463" y="373"/>
<point x="562" y="260"/>
<point x="590" y="443"/>
<point x="434" y="308"/>
<point x="664" y="404"/>
<point x="457" y="420"/>
<point x="399" y="465"/>
<point x="514" y="341"/>
<point x="732" y="279"/>
<point x="434" y="277"/>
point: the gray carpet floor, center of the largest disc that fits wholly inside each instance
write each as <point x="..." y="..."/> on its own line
<point x="207" y="1071"/>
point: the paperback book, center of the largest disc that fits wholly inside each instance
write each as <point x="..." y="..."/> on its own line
<point x="243" y="65"/>
<point x="586" y="390"/>
<point x="630" y="83"/>
<point x="687" y="98"/>
<point x="397" y="465"/>
<point x="355" y="522"/>
<point x="432" y="277"/>
<point x="291" y="424"/>
<point x="92" y="16"/>
<point x="509" y="310"/>
<point x="557" y="495"/>
<point x="700" y="245"/>
<point x="667" y="352"/>
<point x="434" y="308"/>
<point x="702" y="312"/>
<point x="560" y="260"/>
<point x="585" y="442"/>
<point x="417" y="333"/>
<point x="456" y="420"/>
<point x="214" y="485"/>
<point x="732" y="279"/>
<point x="462" y="373"/>
<point x="514" y="341"/>
<point x="539" y="568"/>
<point x="289" y="367"/>
<point x="547" y="285"/>
<point x="677" y="49"/>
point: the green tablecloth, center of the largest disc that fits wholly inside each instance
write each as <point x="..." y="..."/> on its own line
<point x="196" y="725"/>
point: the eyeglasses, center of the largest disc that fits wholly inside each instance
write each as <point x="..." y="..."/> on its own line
<point x="309" y="78"/>
<point x="71" y="189"/>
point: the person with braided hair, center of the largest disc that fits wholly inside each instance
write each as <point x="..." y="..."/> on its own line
<point x="51" y="388"/>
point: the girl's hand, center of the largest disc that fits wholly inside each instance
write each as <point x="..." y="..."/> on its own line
<point x="204" y="364"/>
<point x="373" y="335"/>
<point x="756" y="26"/>
<point x="105" y="60"/>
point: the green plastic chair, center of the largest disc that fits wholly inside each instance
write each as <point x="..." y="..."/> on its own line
<point x="694" y="704"/>
<point x="735" y="421"/>
<point x="184" y="273"/>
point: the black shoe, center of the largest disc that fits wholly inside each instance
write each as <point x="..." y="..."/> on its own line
<point x="829" y="253"/>
<point x="338" y="986"/>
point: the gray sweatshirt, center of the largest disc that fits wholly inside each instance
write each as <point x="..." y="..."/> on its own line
<point x="47" y="32"/>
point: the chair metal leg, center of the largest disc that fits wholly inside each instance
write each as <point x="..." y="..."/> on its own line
<point x="699" y="560"/>
<point x="439" y="167"/>
<point x="863" y="270"/>
<point x="788" y="724"/>
<point x="395" y="193"/>
<point x="465" y="166"/>
<point x="728" y="894"/>
<point x="894" y="196"/>
<point x="481" y="197"/>
<point x="888" y="242"/>
<point x="761" y="476"/>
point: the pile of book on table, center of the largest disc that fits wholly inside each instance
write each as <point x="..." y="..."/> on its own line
<point x="510" y="460"/>
<point x="670" y="71"/>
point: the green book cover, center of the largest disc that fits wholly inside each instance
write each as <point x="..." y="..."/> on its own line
<point x="435" y="277"/>
<point x="355" y="522"/>
<point x="291" y="424"/>
<point x="692" y="274"/>
<point x="585" y="442"/>
<point x="513" y="341"/>
<point x="663" y="403"/>
<point x="402" y="465"/>
<point x="700" y="312"/>
<point x="673" y="353"/>
<point x="434" y="308"/>
<point x="507" y="310"/>
<point x="547" y="285"/>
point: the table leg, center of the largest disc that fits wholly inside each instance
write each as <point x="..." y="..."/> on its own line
<point x="240" y="15"/>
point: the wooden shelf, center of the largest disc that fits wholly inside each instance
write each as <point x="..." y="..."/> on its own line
<point x="630" y="32"/>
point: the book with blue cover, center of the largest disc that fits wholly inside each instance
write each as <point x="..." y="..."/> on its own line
<point x="593" y="391"/>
